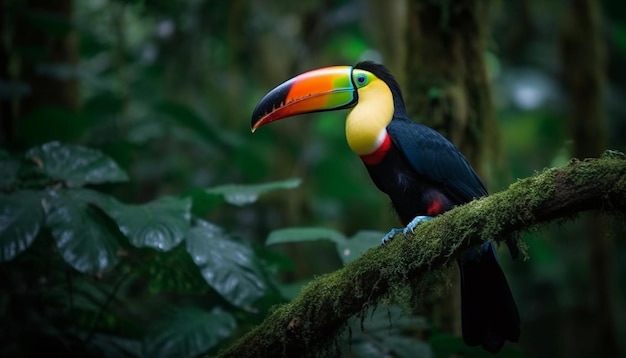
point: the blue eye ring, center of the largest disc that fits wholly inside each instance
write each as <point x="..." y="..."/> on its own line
<point x="361" y="79"/>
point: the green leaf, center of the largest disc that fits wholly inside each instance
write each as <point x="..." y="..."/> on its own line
<point x="75" y="165"/>
<point x="300" y="234"/>
<point x="161" y="224"/>
<point x="354" y="247"/>
<point x="9" y="168"/>
<point x="225" y="264"/>
<point x="188" y="332"/>
<point x="21" y="217"/>
<point x="84" y="237"/>
<point x="240" y="195"/>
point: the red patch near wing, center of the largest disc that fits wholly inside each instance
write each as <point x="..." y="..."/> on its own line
<point x="379" y="154"/>
<point x="435" y="207"/>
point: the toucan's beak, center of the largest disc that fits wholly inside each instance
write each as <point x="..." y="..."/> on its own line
<point x="324" y="89"/>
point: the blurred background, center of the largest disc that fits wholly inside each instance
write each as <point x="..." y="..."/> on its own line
<point x="165" y="89"/>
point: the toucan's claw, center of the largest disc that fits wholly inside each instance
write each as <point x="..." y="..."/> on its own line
<point x="390" y="235"/>
<point x="409" y="229"/>
<point x="414" y="223"/>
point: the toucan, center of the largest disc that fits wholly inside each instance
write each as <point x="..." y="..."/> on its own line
<point x="422" y="172"/>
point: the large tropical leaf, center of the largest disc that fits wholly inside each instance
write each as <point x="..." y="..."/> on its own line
<point x="21" y="217"/>
<point x="161" y="224"/>
<point x="75" y="165"/>
<point x="239" y="194"/>
<point x="228" y="266"/>
<point x="356" y="245"/>
<point x="300" y="234"/>
<point x="188" y="332"/>
<point x="84" y="237"/>
<point x="347" y="249"/>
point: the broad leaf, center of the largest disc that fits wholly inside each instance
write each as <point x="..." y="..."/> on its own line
<point x="84" y="237"/>
<point x="161" y="224"/>
<point x="225" y="264"/>
<point x="240" y="195"/>
<point x="188" y="332"/>
<point x="347" y="249"/>
<point x="75" y="165"/>
<point x="21" y="217"/>
<point x="301" y="234"/>
<point x="362" y="241"/>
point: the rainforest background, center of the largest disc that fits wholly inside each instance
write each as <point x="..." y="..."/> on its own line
<point x="135" y="204"/>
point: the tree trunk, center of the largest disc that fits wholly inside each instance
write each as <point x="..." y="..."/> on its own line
<point x="391" y="16"/>
<point x="583" y="52"/>
<point x="448" y="85"/>
<point x="448" y="89"/>
<point x="40" y="39"/>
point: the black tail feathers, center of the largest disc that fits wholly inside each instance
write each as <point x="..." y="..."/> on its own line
<point x="489" y="314"/>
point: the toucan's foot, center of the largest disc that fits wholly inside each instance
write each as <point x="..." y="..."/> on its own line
<point x="408" y="229"/>
<point x="390" y="235"/>
<point x="414" y="223"/>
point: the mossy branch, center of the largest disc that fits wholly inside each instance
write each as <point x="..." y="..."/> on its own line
<point x="311" y="321"/>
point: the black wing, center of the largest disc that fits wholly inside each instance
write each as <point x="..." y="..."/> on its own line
<point x="436" y="159"/>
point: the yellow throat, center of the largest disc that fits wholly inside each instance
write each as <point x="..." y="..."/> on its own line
<point x="366" y="122"/>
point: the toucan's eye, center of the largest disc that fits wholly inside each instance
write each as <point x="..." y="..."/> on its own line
<point x="361" y="78"/>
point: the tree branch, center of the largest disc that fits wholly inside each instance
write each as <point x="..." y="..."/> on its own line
<point x="311" y="321"/>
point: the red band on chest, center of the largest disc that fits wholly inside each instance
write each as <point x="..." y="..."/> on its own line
<point x="377" y="156"/>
